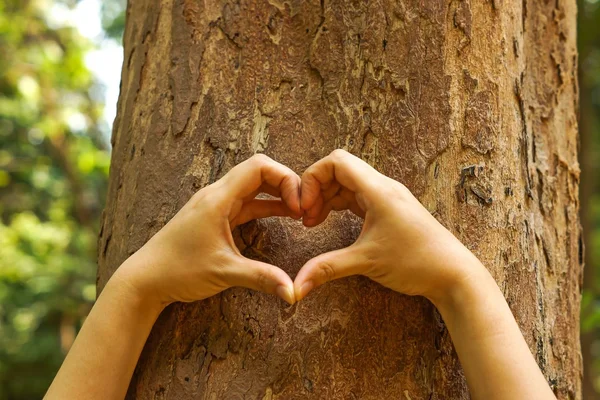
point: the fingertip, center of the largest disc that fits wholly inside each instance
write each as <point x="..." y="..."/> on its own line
<point x="312" y="213"/>
<point x="297" y="209"/>
<point x="309" y="222"/>
<point x="286" y="293"/>
<point x="290" y="193"/>
<point x="305" y="203"/>
<point x="295" y="203"/>
<point x="317" y="206"/>
<point x="314" y="218"/>
<point x="260" y="276"/>
<point x="310" y="190"/>
<point x="299" y="192"/>
<point x="303" y="289"/>
<point x="295" y="216"/>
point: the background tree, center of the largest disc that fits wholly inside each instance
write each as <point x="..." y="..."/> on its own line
<point x="53" y="170"/>
<point x="589" y="127"/>
<point x="471" y="104"/>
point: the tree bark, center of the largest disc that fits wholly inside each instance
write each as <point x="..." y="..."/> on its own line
<point x="471" y="104"/>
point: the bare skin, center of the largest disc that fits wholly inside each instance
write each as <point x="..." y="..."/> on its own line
<point x="431" y="262"/>
<point x="193" y="257"/>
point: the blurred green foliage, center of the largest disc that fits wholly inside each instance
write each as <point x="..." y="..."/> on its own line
<point x="589" y="64"/>
<point x="113" y="18"/>
<point x="53" y="174"/>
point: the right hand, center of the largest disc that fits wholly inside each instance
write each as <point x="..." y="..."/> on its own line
<point x="401" y="245"/>
<point x="194" y="256"/>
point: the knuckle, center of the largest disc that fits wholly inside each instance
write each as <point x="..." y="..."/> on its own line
<point x="200" y="197"/>
<point x="326" y="271"/>
<point x="397" y="190"/>
<point x="262" y="280"/>
<point x="372" y="267"/>
<point x="259" y="159"/>
<point x="208" y="201"/>
<point x="375" y="272"/>
<point x="220" y="272"/>
<point x="289" y="184"/>
<point x="338" y="154"/>
<point x="386" y="187"/>
<point x="308" y="174"/>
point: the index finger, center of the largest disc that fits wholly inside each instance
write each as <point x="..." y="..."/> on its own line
<point x="248" y="176"/>
<point x="341" y="166"/>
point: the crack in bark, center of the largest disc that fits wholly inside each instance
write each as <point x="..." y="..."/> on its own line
<point x="314" y="69"/>
<point x="524" y="140"/>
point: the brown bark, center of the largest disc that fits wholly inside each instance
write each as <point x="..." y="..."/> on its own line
<point x="471" y="104"/>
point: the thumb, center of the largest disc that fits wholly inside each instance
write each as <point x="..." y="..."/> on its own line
<point x="261" y="276"/>
<point x="329" y="266"/>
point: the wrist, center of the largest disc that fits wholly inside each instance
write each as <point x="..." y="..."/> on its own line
<point x="469" y="284"/>
<point x="130" y="283"/>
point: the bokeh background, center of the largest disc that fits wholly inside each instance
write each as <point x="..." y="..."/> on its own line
<point x="60" y="64"/>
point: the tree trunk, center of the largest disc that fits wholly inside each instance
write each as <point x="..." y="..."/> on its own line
<point x="471" y="104"/>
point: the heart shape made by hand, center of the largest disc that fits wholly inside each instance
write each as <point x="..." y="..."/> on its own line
<point x="401" y="245"/>
<point x="397" y="229"/>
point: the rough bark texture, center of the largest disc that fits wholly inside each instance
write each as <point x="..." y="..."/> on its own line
<point x="471" y="104"/>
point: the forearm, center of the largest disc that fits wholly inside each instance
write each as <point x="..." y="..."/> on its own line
<point x="102" y="359"/>
<point x="495" y="357"/>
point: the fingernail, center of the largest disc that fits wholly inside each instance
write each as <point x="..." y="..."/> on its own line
<point x="286" y="293"/>
<point x="305" y="288"/>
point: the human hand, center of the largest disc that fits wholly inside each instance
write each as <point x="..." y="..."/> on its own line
<point x="194" y="256"/>
<point x="401" y="245"/>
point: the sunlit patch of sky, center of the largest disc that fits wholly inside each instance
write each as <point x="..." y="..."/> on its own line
<point x="105" y="60"/>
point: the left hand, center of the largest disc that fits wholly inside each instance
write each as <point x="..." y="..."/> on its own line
<point x="194" y="256"/>
<point x="401" y="245"/>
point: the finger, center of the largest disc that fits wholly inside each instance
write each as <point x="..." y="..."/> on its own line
<point x="316" y="209"/>
<point x="261" y="276"/>
<point x="259" y="208"/>
<point x="331" y="191"/>
<point x="341" y="166"/>
<point x="247" y="177"/>
<point x="352" y="202"/>
<point x="345" y="200"/>
<point x="310" y="221"/>
<point x="329" y="266"/>
<point x="265" y="188"/>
